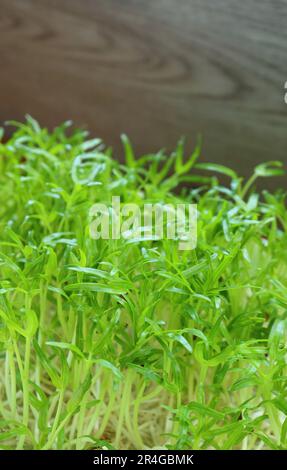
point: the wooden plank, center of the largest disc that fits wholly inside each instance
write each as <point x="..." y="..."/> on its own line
<point x="155" y="69"/>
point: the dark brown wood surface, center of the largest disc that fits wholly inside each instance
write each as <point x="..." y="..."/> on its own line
<point x="154" y="69"/>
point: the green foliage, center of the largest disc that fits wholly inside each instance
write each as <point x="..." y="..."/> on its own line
<point x="113" y="344"/>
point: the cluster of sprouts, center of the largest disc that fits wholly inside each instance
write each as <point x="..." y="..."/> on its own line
<point x="124" y="344"/>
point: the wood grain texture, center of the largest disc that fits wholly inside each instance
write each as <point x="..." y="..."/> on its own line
<point x="155" y="69"/>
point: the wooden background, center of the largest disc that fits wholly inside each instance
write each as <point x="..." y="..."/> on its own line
<point x="155" y="69"/>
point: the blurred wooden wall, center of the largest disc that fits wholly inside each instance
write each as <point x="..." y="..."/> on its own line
<point x="155" y="69"/>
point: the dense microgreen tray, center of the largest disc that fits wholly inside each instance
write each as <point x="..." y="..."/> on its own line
<point x="114" y="344"/>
